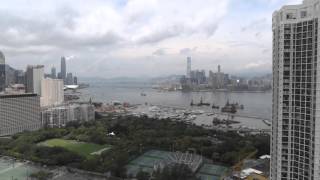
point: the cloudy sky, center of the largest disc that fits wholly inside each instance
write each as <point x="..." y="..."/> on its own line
<point x="138" y="38"/>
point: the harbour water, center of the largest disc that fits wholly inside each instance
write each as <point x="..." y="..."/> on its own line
<point x="256" y="104"/>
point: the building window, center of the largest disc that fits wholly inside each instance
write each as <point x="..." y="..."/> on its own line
<point x="303" y="14"/>
<point x="290" y="16"/>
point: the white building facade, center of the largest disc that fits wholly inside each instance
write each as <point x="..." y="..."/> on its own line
<point x="52" y="92"/>
<point x="18" y="113"/>
<point x="295" y="140"/>
<point x="59" y="116"/>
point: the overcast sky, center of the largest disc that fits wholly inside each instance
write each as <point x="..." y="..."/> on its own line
<point x="139" y="38"/>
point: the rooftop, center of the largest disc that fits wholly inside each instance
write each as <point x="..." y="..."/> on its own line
<point x="5" y="96"/>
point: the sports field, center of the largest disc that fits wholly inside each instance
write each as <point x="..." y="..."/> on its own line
<point x="82" y="148"/>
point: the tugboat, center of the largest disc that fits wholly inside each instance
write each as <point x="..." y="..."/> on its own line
<point x="202" y="103"/>
<point x="229" y="108"/>
<point x="214" y="106"/>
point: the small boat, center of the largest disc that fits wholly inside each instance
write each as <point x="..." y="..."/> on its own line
<point x="215" y="107"/>
<point x="203" y="103"/>
<point x="143" y="94"/>
<point x="230" y="107"/>
<point x="198" y="112"/>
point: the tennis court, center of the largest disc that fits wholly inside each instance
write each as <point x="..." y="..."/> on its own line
<point x="211" y="172"/>
<point x="157" y="154"/>
<point x="147" y="161"/>
<point x="134" y="169"/>
<point x="10" y="169"/>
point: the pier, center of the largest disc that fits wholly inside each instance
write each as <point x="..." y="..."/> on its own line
<point x="244" y="116"/>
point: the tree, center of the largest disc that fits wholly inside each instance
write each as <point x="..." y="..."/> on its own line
<point x="41" y="175"/>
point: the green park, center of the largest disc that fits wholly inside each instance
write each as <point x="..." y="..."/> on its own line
<point x="137" y="144"/>
<point x="82" y="148"/>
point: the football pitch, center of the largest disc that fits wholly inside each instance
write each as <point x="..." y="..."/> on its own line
<point x="82" y="148"/>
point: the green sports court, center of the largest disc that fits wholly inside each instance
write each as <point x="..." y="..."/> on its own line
<point x="211" y="172"/>
<point x="150" y="158"/>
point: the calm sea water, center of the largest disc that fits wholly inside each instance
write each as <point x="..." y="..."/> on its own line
<point x="256" y="104"/>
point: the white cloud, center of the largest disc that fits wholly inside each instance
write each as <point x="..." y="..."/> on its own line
<point x="129" y="37"/>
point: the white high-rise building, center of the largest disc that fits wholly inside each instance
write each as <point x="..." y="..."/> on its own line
<point x="52" y="92"/>
<point x="34" y="76"/>
<point x="59" y="116"/>
<point x="295" y="142"/>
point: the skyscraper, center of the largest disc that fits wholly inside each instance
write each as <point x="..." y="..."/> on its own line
<point x="51" y="92"/>
<point x="69" y="79"/>
<point x="188" y="67"/>
<point x="34" y="76"/>
<point x="295" y="140"/>
<point x="53" y="73"/>
<point x="75" y="80"/>
<point x="59" y="75"/>
<point x="63" y="72"/>
<point x="2" y="72"/>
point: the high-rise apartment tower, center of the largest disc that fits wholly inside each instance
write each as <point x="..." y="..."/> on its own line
<point x="295" y="140"/>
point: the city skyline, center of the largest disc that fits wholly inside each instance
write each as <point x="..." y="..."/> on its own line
<point x="138" y="39"/>
<point x="167" y="89"/>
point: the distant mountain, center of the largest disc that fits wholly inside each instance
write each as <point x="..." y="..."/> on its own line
<point x="171" y="78"/>
<point x="118" y="80"/>
<point x="253" y="73"/>
<point x="130" y="79"/>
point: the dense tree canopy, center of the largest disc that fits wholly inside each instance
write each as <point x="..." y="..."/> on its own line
<point x="133" y="136"/>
